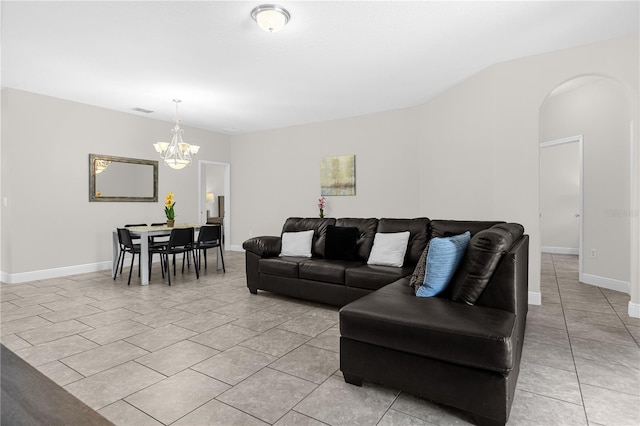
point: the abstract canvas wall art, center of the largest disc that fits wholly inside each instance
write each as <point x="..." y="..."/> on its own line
<point x="338" y="175"/>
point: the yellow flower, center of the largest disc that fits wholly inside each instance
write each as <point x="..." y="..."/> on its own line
<point x="168" y="206"/>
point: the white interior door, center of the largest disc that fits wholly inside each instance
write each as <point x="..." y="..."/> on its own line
<point x="215" y="178"/>
<point x="561" y="196"/>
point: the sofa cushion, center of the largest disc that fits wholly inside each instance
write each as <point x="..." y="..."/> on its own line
<point x="373" y="277"/>
<point x="341" y="242"/>
<point x="433" y="327"/>
<point x="281" y="266"/>
<point x="319" y="226"/>
<point x="443" y="257"/>
<point x="367" y="230"/>
<point x="485" y="250"/>
<point x="297" y="243"/>
<point x="419" y="235"/>
<point x="389" y="249"/>
<point x="330" y="271"/>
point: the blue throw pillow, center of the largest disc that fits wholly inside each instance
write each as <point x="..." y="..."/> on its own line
<point x="443" y="258"/>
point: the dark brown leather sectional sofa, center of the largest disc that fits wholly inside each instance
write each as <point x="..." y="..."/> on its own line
<point x="462" y="355"/>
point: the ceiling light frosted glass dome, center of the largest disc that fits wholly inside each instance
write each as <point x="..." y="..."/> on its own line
<point x="270" y="17"/>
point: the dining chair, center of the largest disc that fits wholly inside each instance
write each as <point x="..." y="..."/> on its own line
<point x="127" y="246"/>
<point x="180" y="241"/>
<point x="161" y="239"/>
<point x="133" y="239"/>
<point x="164" y="240"/>
<point x="209" y="237"/>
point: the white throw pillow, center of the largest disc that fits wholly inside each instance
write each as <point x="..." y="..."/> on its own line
<point x="297" y="244"/>
<point x="389" y="249"/>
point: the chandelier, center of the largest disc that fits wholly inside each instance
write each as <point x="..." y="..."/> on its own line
<point x="178" y="153"/>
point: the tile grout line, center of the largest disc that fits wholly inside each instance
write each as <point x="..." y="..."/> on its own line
<point x="620" y="318"/>
<point x="573" y="356"/>
<point x="306" y="396"/>
<point x="389" y="408"/>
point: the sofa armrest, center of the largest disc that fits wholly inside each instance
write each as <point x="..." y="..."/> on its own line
<point x="264" y="246"/>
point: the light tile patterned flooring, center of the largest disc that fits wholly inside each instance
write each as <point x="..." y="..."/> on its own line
<point x="206" y="352"/>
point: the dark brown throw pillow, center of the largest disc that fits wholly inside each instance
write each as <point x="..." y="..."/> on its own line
<point x="341" y="243"/>
<point x="481" y="259"/>
<point x="417" y="278"/>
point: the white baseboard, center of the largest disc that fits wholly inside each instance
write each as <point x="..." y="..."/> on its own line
<point x="54" y="273"/>
<point x="559" y="250"/>
<point x="603" y="282"/>
<point x="235" y="248"/>
<point x="4" y="277"/>
<point x="634" y="310"/>
<point x="535" y="298"/>
<point x="65" y="271"/>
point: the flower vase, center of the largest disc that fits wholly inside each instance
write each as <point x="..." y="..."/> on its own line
<point x="321" y="212"/>
<point x="170" y="223"/>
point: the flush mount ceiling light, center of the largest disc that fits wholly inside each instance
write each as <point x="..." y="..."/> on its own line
<point x="270" y="17"/>
<point x="178" y="153"/>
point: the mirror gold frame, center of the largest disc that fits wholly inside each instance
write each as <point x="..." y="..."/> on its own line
<point x="125" y="192"/>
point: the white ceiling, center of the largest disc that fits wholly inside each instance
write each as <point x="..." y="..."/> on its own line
<point x="334" y="59"/>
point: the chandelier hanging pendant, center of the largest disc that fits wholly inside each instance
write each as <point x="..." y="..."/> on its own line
<point x="178" y="153"/>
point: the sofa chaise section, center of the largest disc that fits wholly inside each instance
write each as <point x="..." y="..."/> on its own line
<point x="462" y="355"/>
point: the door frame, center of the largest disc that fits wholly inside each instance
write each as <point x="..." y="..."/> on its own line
<point x="579" y="140"/>
<point x="227" y="197"/>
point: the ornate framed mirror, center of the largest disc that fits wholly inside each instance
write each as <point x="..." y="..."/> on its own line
<point x="122" y="179"/>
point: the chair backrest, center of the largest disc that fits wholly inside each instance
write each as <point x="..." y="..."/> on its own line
<point x="209" y="234"/>
<point x="180" y="237"/>
<point x="124" y="237"/>
<point x="135" y="224"/>
<point x="159" y="224"/>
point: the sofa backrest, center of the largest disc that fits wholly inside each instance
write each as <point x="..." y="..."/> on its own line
<point x="447" y="228"/>
<point x="508" y="288"/>
<point x="418" y="229"/>
<point x="319" y="226"/>
<point x="418" y="235"/>
<point x="481" y="259"/>
<point x="367" y="231"/>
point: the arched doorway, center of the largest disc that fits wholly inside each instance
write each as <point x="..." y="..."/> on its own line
<point x="599" y="109"/>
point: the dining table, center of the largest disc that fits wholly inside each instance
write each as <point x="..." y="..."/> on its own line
<point x="144" y="232"/>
